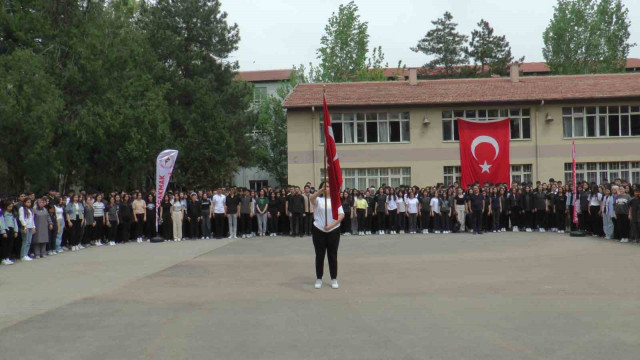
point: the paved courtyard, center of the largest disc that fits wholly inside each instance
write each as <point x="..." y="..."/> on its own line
<point x="495" y="296"/>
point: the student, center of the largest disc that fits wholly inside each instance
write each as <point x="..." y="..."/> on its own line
<point x="475" y="207"/>
<point x="53" y="230"/>
<point x="194" y="216"/>
<point x="371" y="210"/>
<point x="495" y="210"/>
<point x="126" y="218"/>
<point x="514" y="211"/>
<point x="445" y="212"/>
<point x="345" y="226"/>
<point x="595" y="211"/>
<point x="74" y="212"/>
<point x="539" y="208"/>
<point x="607" y="212"/>
<point x="362" y="213"/>
<point x="391" y="210"/>
<point x="99" y="220"/>
<point x="527" y="206"/>
<point x="634" y="215"/>
<point x="621" y="209"/>
<point x="43" y="224"/>
<point x="295" y="206"/>
<point x="273" y="214"/>
<point x="219" y="212"/>
<point x="425" y="211"/>
<point x="551" y="212"/>
<point x="308" y="211"/>
<point x="381" y="211"/>
<point x="262" y="207"/>
<point x="8" y="232"/>
<point x="90" y="222"/>
<point x="112" y="218"/>
<point x="150" y="217"/>
<point x="59" y="207"/>
<point x="232" y="209"/>
<point x="326" y="235"/>
<point x="559" y="208"/>
<point x="139" y="213"/>
<point x="177" y="217"/>
<point x="504" y="218"/>
<point x="205" y="210"/>
<point x="460" y="202"/>
<point x="402" y="212"/>
<point x="413" y="212"/>
<point x="435" y="213"/>
<point x="583" y="213"/>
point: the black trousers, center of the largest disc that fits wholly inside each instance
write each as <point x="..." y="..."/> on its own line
<point x="424" y="219"/>
<point x="515" y="217"/>
<point x="393" y="218"/>
<point x="368" y="220"/>
<point x="308" y="223"/>
<point x="527" y="219"/>
<point x="326" y="243"/>
<point x="245" y="223"/>
<point x="561" y="217"/>
<point x="273" y="222"/>
<point x="622" y="226"/>
<point x="541" y="216"/>
<point x="360" y="213"/>
<point x="125" y="231"/>
<point x="194" y="226"/>
<point x="476" y="220"/>
<point x="380" y="221"/>
<point x="296" y="224"/>
<point x="113" y="231"/>
<point x="345" y="225"/>
<point x="218" y="218"/>
<point x="98" y="230"/>
<point x="7" y="244"/>
<point x="76" y="232"/>
<point x="595" y="223"/>
<point x="139" y="225"/>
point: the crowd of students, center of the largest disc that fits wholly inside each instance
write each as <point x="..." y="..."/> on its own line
<point x="33" y="227"/>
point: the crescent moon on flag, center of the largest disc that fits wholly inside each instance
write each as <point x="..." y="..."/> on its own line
<point x="484" y="139"/>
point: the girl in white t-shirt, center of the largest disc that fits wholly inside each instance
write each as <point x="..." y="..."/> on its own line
<point x="392" y="210"/>
<point x="413" y="211"/>
<point x="326" y="234"/>
<point x="435" y="213"/>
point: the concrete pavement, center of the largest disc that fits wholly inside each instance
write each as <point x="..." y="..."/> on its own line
<point x="496" y="296"/>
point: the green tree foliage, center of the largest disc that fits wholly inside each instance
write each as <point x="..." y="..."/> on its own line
<point x="445" y="44"/>
<point x="587" y="36"/>
<point x="207" y="109"/>
<point x="344" y="48"/>
<point x="492" y="52"/>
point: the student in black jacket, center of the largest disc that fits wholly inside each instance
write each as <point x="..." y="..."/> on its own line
<point x="296" y="207"/>
<point x="526" y="208"/>
<point x="194" y="216"/>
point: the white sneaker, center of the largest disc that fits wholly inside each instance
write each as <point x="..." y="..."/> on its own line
<point x="7" y="262"/>
<point x="60" y="251"/>
<point x="79" y="247"/>
<point x="318" y="284"/>
<point x="26" y="258"/>
<point x="244" y="236"/>
<point x="623" y="240"/>
<point x="334" y="284"/>
<point x="543" y="230"/>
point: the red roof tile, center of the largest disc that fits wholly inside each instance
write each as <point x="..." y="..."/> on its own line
<point x="468" y="91"/>
<point x="264" y="75"/>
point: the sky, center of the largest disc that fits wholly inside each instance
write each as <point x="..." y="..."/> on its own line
<point x="277" y="34"/>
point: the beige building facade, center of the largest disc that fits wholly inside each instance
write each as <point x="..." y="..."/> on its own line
<point x="392" y="141"/>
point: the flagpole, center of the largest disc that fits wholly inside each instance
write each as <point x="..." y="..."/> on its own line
<point x="326" y="217"/>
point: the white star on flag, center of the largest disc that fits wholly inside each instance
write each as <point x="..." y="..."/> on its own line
<point x="485" y="167"/>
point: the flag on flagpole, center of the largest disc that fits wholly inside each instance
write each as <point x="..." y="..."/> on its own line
<point x="334" y="173"/>
<point x="575" y="189"/>
<point x="484" y="151"/>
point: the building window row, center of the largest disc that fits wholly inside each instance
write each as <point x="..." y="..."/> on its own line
<point x="598" y="172"/>
<point x="374" y="177"/>
<point x="519" y="173"/>
<point x="520" y="121"/>
<point x="601" y="121"/>
<point x="369" y="128"/>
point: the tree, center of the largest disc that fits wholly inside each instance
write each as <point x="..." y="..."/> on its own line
<point x="344" y="49"/>
<point x="446" y="45"/>
<point x="587" y="36"/>
<point x="207" y="108"/>
<point x="492" y="52"/>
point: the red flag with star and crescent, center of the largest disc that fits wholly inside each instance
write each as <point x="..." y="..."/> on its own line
<point x="484" y="151"/>
<point x="334" y="173"/>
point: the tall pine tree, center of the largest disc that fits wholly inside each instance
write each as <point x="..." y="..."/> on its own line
<point x="445" y="44"/>
<point x="491" y="52"/>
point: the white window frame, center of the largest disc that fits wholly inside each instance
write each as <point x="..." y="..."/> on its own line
<point x="598" y="171"/>
<point x="451" y="174"/>
<point x="364" y="178"/>
<point x="259" y="94"/>
<point x="383" y="119"/>
<point x="519" y="115"/>
<point x="521" y="173"/>
<point x="627" y="115"/>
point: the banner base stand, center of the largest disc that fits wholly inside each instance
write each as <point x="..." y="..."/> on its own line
<point x="578" y="233"/>
<point x="157" y="239"/>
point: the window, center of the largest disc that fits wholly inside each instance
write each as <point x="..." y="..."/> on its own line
<point x="259" y="93"/>
<point x="258" y="184"/>
<point x="521" y="173"/>
<point x="598" y="172"/>
<point x="374" y="177"/>
<point x="451" y="175"/>
<point x="367" y="128"/>
<point x="601" y="121"/>
<point x="520" y="121"/>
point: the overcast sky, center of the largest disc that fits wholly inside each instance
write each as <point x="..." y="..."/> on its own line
<point x="276" y="34"/>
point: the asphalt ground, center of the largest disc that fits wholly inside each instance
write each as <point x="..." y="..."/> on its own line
<point x="456" y="296"/>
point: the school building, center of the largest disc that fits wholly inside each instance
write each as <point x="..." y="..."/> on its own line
<point x="406" y="132"/>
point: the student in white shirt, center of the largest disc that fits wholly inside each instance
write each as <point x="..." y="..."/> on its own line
<point x="413" y="211"/>
<point x="435" y="213"/>
<point x="392" y="210"/>
<point x="326" y="235"/>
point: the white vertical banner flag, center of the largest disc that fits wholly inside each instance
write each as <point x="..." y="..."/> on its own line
<point x="164" y="167"/>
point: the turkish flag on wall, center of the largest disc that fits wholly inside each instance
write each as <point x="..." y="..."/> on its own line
<point x="484" y="151"/>
<point x="334" y="173"/>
